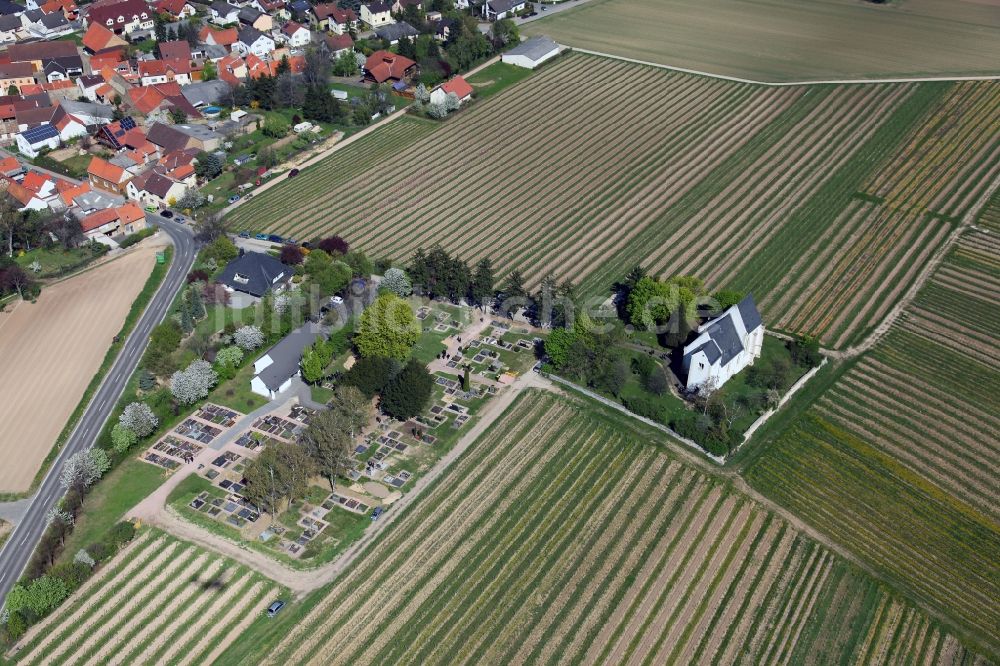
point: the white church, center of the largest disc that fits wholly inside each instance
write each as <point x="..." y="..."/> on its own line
<point x="724" y="346"/>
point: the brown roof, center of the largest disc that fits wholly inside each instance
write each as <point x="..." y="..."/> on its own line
<point x="167" y="138"/>
<point x="338" y="42"/>
<point x="178" y="49"/>
<point x="101" y="12"/>
<point x="16" y="70"/>
<point x="40" y="51"/>
<point x="384" y="65"/>
<point x="35" y="116"/>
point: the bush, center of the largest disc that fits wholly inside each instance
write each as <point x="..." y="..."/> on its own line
<point x="408" y="392"/>
<point x="121" y="534"/>
<point x="100" y="551"/>
<point x="73" y="574"/>
<point x="646" y="407"/>
<point x="132" y="239"/>
<point x="16" y="626"/>
<point x="371" y="375"/>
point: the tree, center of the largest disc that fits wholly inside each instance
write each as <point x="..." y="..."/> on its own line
<point x="177" y="115"/>
<point x="329" y="276"/>
<point x="248" y="337"/>
<point x="388" y="328"/>
<point x="514" y="295"/>
<point x="371" y="375"/>
<point x="315" y="359"/>
<point x="345" y="64"/>
<point x="231" y="356"/>
<point x="321" y="106"/>
<point x="280" y="473"/>
<point x="502" y="33"/>
<point x="421" y="94"/>
<point x="288" y="91"/>
<point x="275" y="127"/>
<point x="122" y="439"/>
<point x="334" y="245"/>
<point x="291" y="255"/>
<point x="139" y="418"/>
<point x="481" y="287"/>
<point x="208" y="166"/>
<point x="409" y="391"/>
<point x="147" y="381"/>
<point x="727" y="298"/>
<point x="804" y="350"/>
<point x="67" y="229"/>
<point x="267" y="157"/>
<point x="39" y="597"/>
<point x="82" y="469"/>
<point x="353" y="406"/>
<point x="396" y="281"/>
<point x="209" y="71"/>
<point x="558" y="345"/>
<point x="656" y="381"/>
<point x="452" y="102"/>
<point x="437" y="110"/>
<point x="328" y="442"/>
<point x="84" y="558"/>
<point x="14" y="279"/>
<point x="652" y="303"/>
<point x="193" y="383"/>
<point x="222" y="250"/>
<point x="210" y="229"/>
<point x="191" y="199"/>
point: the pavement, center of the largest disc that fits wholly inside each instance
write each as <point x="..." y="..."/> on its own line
<point x="17" y="550"/>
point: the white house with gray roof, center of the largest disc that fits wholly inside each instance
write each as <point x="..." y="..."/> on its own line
<point x="531" y="53"/>
<point x="273" y="372"/>
<point x="724" y="346"/>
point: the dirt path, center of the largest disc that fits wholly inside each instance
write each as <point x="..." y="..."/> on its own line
<point x="153" y="509"/>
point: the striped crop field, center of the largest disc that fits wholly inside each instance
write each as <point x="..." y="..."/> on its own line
<point x="823" y="200"/>
<point x="159" y="601"/>
<point x="558" y="538"/>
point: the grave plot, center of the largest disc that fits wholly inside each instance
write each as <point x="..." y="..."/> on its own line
<point x="220" y="416"/>
<point x="300" y="414"/>
<point x="278" y="427"/>
<point x="198" y="431"/>
<point x="170" y="452"/>
<point x="230" y="508"/>
<point x="254" y="441"/>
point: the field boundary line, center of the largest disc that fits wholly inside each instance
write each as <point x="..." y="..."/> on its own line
<point x="783" y="84"/>
<point x="621" y="408"/>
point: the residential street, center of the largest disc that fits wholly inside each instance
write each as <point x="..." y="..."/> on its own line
<point x="18" y="548"/>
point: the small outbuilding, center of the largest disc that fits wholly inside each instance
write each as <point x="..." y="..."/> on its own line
<point x="531" y="53"/>
<point x="273" y="372"/>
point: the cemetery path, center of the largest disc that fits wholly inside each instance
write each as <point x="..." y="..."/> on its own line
<point x="154" y="510"/>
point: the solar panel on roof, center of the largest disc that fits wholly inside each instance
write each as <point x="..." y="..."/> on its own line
<point x="127" y="123"/>
<point x="40" y="133"/>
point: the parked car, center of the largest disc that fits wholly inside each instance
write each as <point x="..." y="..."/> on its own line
<point x="151" y="209"/>
<point x="293" y="173"/>
<point x="274" y="238"/>
<point x="244" y="234"/>
<point x="261" y="237"/>
<point x="275" y="607"/>
<point x="377" y="512"/>
<point x="180" y="219"/>
<point x="233" y="198"/>
<point x="289" y="241"/>
<point x="167" y="214"/>
<point x="305" y="245"/>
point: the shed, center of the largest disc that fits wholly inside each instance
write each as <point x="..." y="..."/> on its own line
<point x="531" y="53"/>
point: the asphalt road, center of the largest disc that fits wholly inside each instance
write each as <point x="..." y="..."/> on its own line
<point x="16" y="552"/>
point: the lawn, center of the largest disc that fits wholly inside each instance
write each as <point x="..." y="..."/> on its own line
<point x="124" y="487"/>
<point x="496" y="77"/>
<point x="235" y="393"/>
<point x="56" y="261"/>
<point x="789" y="40"/>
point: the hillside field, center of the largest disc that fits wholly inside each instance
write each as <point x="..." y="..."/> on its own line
<point x="789" y="40"/>
<point x="824" y="201"/>
<point x="559" y="538"/>
<point x="159" y="601"/>
<point x="899" y="459"/>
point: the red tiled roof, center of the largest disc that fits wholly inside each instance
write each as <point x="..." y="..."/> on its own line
<point x="384" y="65"/>
<point x="338" y="42"/>
<point x="177" y="49"/>
<point x="173" y="7"/>
<point x="34" y="181"/>
<point x="67" y="195"/>
<point x="457" y="85"/>
<point x="332" y="10"/>
<point x="105" y="170"/>
<point x="130" y="212"/>
<point x="9" y="163"/>
<point x="19" y="192"/>
<point x="226" y="37"/>
<point x="98" y="219"/>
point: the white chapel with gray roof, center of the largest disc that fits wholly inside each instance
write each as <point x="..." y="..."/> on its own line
<point x="724" y="346"/>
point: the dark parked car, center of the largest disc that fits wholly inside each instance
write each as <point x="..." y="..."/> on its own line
<point x="293" y="173"/>
<point x="274" y="238"/>
<point x="273" y="609"/>
<point x="244" y="234"/>
<point x="167" y="214"/>
<point x="377" y="512"/>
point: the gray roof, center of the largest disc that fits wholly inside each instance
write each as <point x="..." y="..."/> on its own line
<point x="534" y="48"/>
<point x="200" y="132"/>
<point x="248" y="35"/>
<point x="10" y="22"/>
<point x="203" y="93"/>
<point x="213" y="51"/>
<point x="8" y="7"/>
<point x="88" y="108"/>
<point x="749" y="313"/>
<point x="396" y="31"/>
<point x="258" y="273"/>
<point x="224" y="8"/>
<point x="724" y="335"/>
<point x="501" y="6"/>
<point x="249" y="14"/>
<point x="54" y="20"/>
<point x="285" y="355"/>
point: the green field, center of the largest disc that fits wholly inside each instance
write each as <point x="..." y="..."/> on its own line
<point x="559" y="538"/>
<point x="161" y="601"/>
<point x="789" y="40"/>
<point x="898" y="460"/>
<point x="823" y="201"/>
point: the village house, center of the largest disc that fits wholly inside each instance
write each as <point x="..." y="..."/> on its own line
<point x="494" y="10"/>
<point x="10" y="26"/>
<point x="17" y="74"/>
<point x="332" y="17"/>
<point x="295" y="35"/>
<point x="377" y="14"/>
<point x="273" y="372"/>
<point x="107" y="176"/>
<point x="724" y="346"/>
<point x="98" y="38"/>
<point x="118" y="221"/>
<point x="457" y="85"/>
<point x="31" y="142"/>
<point x="41" y="54"/>
<point x="335" y="45"/>
<point x="253" y="41"/>
<point x="223" y="13"/>
<point x="175" y="9"/>
<point x="394" y="32"/>
<point x="122" y="18"/>
<point x="256" y="19"/>
<point x="386" y="66"/>
<point x="154" y="188"/>
<point x="225" y="37"/>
